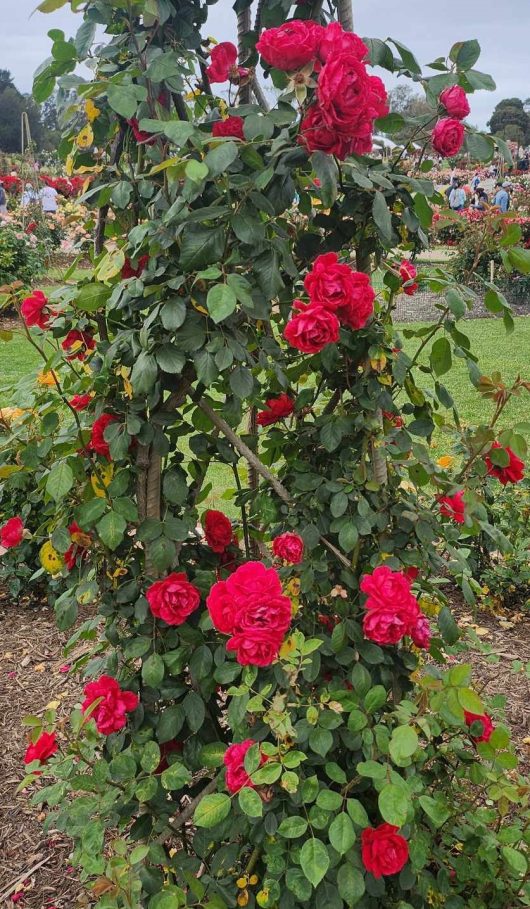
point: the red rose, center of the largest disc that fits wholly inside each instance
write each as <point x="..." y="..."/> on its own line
<point x="454" y="99"/>
<point x="223" y="58"/>
<point x="173" y="599"/>
<point x="110" y="713"/>
<point x="487" y="725"/>
<point x="396" y="421"/>
<point x="232" y="127"/>
<point x="383" y="850"/>
<point x="408" y="272"/>
<point x="166" y="749"/>
<point x="421" y="633"/>
<point x="311" y="328"/>
<point x="81" y="341"/>
<point x="251" y="606"/>
<point x="276" y="409"/>
<point x="139" y="134"/>
<point x="448" y="137"/>
<point x="35" y="311"/>
<point x="453" y="507"/>
<point x="234" y="761"/>
<point x="79" y="547"/>
<point x="45" y="746"/>
<point x="334" y="41"/>
<point x="411" y="573"/>
<point x="217" y="530"/>
<point x="292" y="45"/>
<point x="391" y="610"/>
<point x="129" y="271"/>
<point x="336" y="286"/>
<point x="80" y="402"/>
<point x="98" y="443"/>
<point x="289" y="547"/>
<point x="350" y="99"/>
<point x="514" y="470"/>
<point x="11" y="533"/>
<point x="317" y="135"/>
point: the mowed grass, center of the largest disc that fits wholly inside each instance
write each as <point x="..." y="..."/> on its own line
<point x="496" y="350"/>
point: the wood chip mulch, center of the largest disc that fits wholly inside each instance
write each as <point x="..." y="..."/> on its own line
<point x="35" y="867"/>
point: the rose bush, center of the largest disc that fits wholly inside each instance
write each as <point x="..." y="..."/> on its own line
<point x="257" y="735"/>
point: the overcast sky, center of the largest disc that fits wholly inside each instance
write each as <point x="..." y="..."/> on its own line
<point x="428" y="27"/>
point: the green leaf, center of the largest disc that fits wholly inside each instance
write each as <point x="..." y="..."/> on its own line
<point x="49" y="6"/>
<point x="409" y="60"/>
<point x="258" y="125"/>
<point x="447" y="625"/>
<point x="341" y="833"/>
<point x="480" y="147"/>
<point x="403" y="744"/>
<point x="382" y="216"/>
<point x="60" y="480"/>
<point x="175" y="777"/>
<point x="350" y="882"/>
<point x="111" y="529"/>
<point x="250" y="802"/>
<point x="201" y="246"/>
<point x="178" y="131"/>
<point x="314" y="860"/>
<point x="375" y="698"/>
<point x="440" y="357"/>
<point x="144" y="373"/>
<point x="221" y="302"/>
<point x="465" y="53"/>
<point x="219" y="159"/>
<point x="469" y="700"/>
<point x="196" y="171"/>
<point x="520" y="259"/>
<point x="150" y="757"/>
<point x="435" y="809"/>
<point x="241" y="382"/>
<point x="169" y="898"/>
<point x="394" y="802"/>
<point x="123" y="99"/>
<point x="212" y="809"/>
<point x="292" y="827"/>
<point x="327" y="172"/>
<point x="153" y="670"/>
<point x="212" y="754"/>
<point x="170" y="359"/>
<point x="92" y="297"/>
<point x="515" y="860"/>
<point x="90" y="512"/>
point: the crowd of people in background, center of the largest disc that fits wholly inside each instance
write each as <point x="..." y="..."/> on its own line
<point x="473" y="195"/>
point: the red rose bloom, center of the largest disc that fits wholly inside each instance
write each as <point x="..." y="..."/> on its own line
<point x="453" y="507"/>
<point x="391" y="610"/>
<point x="82" y="341"/>
<point x="173" y="599"/>
<point x="79" y="547"/>
<point x="334" y="41"/>
<point x="383" y="850"/>
<point x="487" y="725"/>
<point x="408" y="272"/>
<point x="292" y="45"/>
<point x="454" y="99"/>
<point x="110" y="713"/>
<point x="35" y="312"/>
<point x="276" y="409"/>
<point x="251" y="607"/>
<point x="129" y="271"/>
<point x="217" y="530"/>
<point x="234" y="761"/>
<point x="411" y="573"/>
<point x="421" y="633"/>
<point x="448" y="137"/>
<point x="311" y="328"/>
<point x="351" y="99"/>
<point x="232" y="127"/>
<point x="139" y="134"/>
<point x="289" y="547"/>
<point x="98" y="443"/>
<point x="337" y="287"/>
<point x="223" y="58"/>
<point x="45" y="746"/>
<point x="80" y="402"/>
<point x="11" y="533"/>
<point x="317" y="135"/>
<point x="512" y="473"/>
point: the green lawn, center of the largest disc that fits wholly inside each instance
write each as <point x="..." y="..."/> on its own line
<point x="508" y="354"/>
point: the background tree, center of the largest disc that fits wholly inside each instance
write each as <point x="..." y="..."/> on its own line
<point x="416" y="112"/>
<point x="510" y="121"/>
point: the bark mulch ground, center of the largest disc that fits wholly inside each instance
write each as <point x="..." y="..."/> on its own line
<point x="36" y="865"/>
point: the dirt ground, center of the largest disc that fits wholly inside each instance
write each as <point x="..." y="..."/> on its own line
<point x="34" y="867"/>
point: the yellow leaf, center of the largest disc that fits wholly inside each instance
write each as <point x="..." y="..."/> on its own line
<point x="50" y="559"/>
<point x="91" y="110"/>
<point x="85" y="138"/>
<point x="111" y="265"/>
<point x="101" y="480"/>
<point x="445" y="462"/>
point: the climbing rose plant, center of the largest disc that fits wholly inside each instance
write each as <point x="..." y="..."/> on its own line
<point x="259" y="723"/>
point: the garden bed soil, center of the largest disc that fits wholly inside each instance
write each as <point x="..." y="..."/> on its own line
<point x="31" y="660"/>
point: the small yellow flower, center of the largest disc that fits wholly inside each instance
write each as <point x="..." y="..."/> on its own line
<point x="192" y="95"/>
<point x="243" y="898"/>
<point x="101" y="480"/>
<point x="92" y="112"/>
<point x="445" y="462"/>
<point x="85" y="138"/>
<point x="242" y="882"/>
<point x="253" y="879"/>
<point x="47" y="379"/>
<point x="292" y="589"/>
<point x="287" y="647"/>
<point x="50" y="559"/>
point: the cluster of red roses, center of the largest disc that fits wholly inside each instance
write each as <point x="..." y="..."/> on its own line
<point x="448" y="134"/>
<point x="337" y="296"/>
<point x="37" y="313"/>
<point x="276" y="409"/>
<point x="251" y="607"/>
<point x="453" y="506"/>
<point x="392" y="612"/>
<point x="340" y="120"/>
